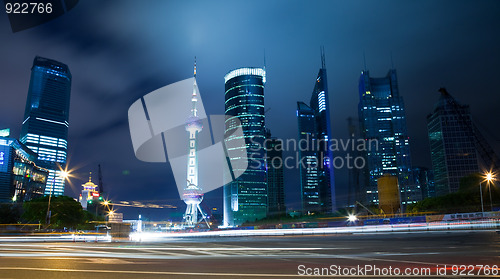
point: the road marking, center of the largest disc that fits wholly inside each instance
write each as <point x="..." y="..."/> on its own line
<point x="177" y="249"/>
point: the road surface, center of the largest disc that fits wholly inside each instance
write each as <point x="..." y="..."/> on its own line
<point x="258" y="257"/>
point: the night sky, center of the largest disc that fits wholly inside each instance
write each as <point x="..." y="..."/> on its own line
<point x="119" y="51"/>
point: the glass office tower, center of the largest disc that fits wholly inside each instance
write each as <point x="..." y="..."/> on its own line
<point x="424" y="177"/>
<point x="316" y="171"/>
<point x="275" y="182"/>
<point x="383" y="123"/>
<point x="453" y="150"/>
<point x="245" y="199"/>
<point x="45" y="125"/>
<point x="309" y="186"/>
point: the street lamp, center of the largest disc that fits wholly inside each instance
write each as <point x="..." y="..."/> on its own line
<point x="110" y="214"/>
<point x="489" y="178"/>
<point x="352" y="218"/>
<point x="64" y="175"/>
<point x="481" y="195"/>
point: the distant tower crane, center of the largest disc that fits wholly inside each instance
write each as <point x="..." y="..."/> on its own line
<point x="101" y="187"/>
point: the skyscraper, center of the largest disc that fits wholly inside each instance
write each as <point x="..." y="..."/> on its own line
<point x="245" y="198"/>
<point x="309" y="186"/>
<point x="316" y="172"/>
<point x="45" y="125"/>
<point x="425" y="179"/>
<point x="275" y="183"/>
<point x="383" y="121"/>
<point x="453" y="150"/>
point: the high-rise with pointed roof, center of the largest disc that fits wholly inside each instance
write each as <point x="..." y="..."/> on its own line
<point x="316" y="170"/>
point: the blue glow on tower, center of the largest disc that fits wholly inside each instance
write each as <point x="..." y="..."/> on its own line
<point x="192" y="194"/>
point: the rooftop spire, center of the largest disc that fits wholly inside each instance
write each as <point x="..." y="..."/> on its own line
<point x="364" y="60"/>
<point x="323" y="64"/>
<point x="90" y="177"/>
<point x="392" y="61"/>
<point x="264" y="59"/>
<point x="194" y="98"/>
<point x="195" y="66"/>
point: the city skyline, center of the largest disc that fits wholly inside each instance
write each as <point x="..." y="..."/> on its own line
<point x="104" y="86"/>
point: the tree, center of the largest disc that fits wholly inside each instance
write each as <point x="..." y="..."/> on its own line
<point x="467" y="199"/>
<point x="10" y="213"/>
<point x="66" y="212"/>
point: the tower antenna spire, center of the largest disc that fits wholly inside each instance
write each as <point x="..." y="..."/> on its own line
<point x="392" y="62"/>
<point x="264" y="59"/>
<point x="101" y="187"/>
<point x="195" y="66"/>
<point x="364" y="60"/>
<point x="323" y="64"/>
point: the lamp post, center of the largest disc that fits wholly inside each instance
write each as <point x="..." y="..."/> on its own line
<point x="481" y="194"/>
<point x="489" y="179"/>
<point x="47" y="218"/>
<point x="64" y="175"/>
<point x="110" y="216"/>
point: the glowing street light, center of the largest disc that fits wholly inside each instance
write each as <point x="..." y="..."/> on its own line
<point x="352" y="218"/>
<point x="489" y="177"/>
<point x="64" y="174"/>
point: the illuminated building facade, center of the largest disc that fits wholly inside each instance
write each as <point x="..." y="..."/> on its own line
<point x="275" y="183"/>
<point x="453" y="150"/>
<point x="309" y="186"/>
<point x="91" y="199"/>
<point x="245" y="198"/>
<point x="316" y="171"/>
<point x="45" y="125"/>
<point x="424" y="177"/>
<point x="383" y="123"/>
<point x="90" y="193"/>
<point x="20" y="178"/>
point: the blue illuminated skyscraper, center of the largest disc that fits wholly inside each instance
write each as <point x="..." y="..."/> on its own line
<point x="275" y="179"/>
<point x="45" y="125"/>
<point x="245" y="199"/>
<point x="383" y="121"/>
<point x="316" y="171"/>
<point x="309" y="187"/>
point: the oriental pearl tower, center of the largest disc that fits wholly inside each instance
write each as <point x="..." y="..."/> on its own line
<point x="192" y="194"/>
